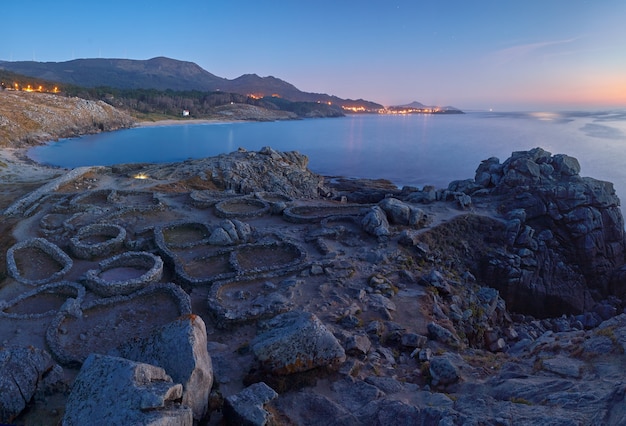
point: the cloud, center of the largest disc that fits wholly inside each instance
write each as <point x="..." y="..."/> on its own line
<point x="521" y="51"/>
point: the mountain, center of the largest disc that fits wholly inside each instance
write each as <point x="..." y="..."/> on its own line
<point x="164" y="73"/>
<point x="156" y="73"/>
<point x="413" y="104"/>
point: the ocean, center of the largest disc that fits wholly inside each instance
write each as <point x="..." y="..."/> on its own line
<point x="412" y="150"/>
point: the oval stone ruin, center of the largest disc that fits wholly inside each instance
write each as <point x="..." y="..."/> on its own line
<point x="182" y="235"/>
<point x="108" y="322"/>
<point x="52" y="223"/>
<point x="124" y="273"/>
<point x="43" y="301"/>
<point x="97" y="240"/>
<point x="315" y="214"/>
<point x="248" y="299"/>
<point x="90" y="199"/>
<point x="135" y="200"/>
<point x="205" y="198"/>
<point x="258" y="258"/>
<point x="241" y="207"/>
<point x="243" y="260"/>
<point x="37" y="261"/>
<point x="277" y="202"/>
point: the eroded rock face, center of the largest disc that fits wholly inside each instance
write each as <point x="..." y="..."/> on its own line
<point x="295" y="342"/>
<point x="565" y="233"/>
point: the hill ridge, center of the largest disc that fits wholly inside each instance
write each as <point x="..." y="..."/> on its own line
<point x="163" y="73"/>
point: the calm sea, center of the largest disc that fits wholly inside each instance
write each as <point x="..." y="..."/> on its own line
<point x="408" y="150"/>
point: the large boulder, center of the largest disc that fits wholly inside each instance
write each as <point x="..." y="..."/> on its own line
<point x="294" y="342"/>
<point x="118" y="391"/>
<point x="375" y="222"/>
<point x="180" y="348"/>
<point x="401" y="213"/>
<point x="21" y="371"/>
<point x="230" y="232"/>
<point x="442" y="371"/>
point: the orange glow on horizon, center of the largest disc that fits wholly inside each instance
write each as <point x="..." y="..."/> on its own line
<point x="592" y="90"/>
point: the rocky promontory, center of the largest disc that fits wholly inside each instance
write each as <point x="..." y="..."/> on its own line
<point x="244" y="289"/>
<point x="28" y="118"/>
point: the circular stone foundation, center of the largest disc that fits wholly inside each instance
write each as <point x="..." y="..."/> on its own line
<point x="181" y="235"/>
<point x="124" y="274"/>
<point x="248" y="299"/>
<point x="208" y="198"/>
<point x="315" y="214"/>
<point x="241" y="207"/>
<point x="108" y="322"/>
<point x="35" y="303"/>
<point x="52" y="222"/>
<point x="277" y="202"/>
<point x="97" y="240"/>
<point x="89" y="199"/>
<point x="42" y="262"/>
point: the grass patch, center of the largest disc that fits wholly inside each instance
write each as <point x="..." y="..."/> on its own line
<point x="517" y="400"/>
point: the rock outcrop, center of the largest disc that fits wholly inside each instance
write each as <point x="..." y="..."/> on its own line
<point x="565" y="233"/>
<point x="247" y="172"/>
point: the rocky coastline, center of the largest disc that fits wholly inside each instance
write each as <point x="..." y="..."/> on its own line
<point x="27" y="119"/>
<point x="245" y="289"/>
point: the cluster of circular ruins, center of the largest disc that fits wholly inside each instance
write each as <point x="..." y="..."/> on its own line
<point x="250" y="276"/>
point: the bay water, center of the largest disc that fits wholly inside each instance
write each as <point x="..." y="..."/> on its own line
<point x="412" y="150"/>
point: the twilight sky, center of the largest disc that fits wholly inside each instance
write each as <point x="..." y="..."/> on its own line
<point x="506" y="55"/>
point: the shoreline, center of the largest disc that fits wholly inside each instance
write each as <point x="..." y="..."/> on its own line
<point x="176" y="122"/>
<point x="17" y="167"/>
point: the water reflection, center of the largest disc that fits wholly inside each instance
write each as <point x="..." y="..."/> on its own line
<point x="602" y="131"/>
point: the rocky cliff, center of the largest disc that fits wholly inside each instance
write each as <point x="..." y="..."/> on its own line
<point x="564" y="233"/>
<point x="31" y="118"/>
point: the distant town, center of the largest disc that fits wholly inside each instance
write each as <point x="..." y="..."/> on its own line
<point x="398" y="110"/>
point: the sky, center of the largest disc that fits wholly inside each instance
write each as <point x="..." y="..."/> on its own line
<point x="479" y="54"/>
